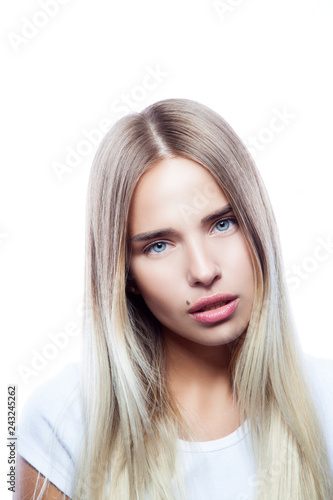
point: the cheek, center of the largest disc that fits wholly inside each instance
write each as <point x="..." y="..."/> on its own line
<point x="242" y="262"/>
<point x="154" y="274"/>
<point x="246" y="269"/>
<point x="161" y="302"/>
<point x="242" y="277"/>
<point x="157" y="288"/>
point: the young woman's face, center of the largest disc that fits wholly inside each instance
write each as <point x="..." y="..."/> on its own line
<point x="197" y="259"/>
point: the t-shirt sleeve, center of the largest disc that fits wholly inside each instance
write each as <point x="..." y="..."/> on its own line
<point x="50" y="428"/>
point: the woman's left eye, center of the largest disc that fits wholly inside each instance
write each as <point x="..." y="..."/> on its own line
<point x="156" y="246"/>
<point x="224" y="224"/>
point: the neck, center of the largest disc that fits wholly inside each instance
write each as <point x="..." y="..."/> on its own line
<point x="195" y="367"/>
<point x="198" y="378"/>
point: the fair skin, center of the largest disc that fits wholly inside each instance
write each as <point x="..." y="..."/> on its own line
<point x="25" y="487"/>
<point x="198" y="260"/>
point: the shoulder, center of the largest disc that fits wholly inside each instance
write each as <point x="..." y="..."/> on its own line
<point x="50" y="429"/>
<point x="55" y="403"/>
<point x="61" y="384"/>
<point x="65" y="384"/>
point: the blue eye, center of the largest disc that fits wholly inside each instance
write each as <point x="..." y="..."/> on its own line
<point x="225" y="224"/>
<point x="160" y="246"/>
<point x="160" y="250"/>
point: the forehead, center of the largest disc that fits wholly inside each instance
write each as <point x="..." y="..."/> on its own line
<point x="171" y="187"/>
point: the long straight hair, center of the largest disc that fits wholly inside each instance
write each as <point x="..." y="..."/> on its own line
<point x="131" y="421"/>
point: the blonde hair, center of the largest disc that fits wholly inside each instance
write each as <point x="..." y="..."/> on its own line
<point x="131" y="422"/>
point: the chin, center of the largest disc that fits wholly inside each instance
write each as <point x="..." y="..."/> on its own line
<point x="216" y="341"/>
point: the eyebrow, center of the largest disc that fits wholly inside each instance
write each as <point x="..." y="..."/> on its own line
<point x="169" y="231"/>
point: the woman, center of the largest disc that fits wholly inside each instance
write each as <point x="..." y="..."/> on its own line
<point x="194" y="385"/>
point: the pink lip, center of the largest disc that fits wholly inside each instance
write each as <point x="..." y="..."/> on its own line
<point x="212" y="299"/>
<point x="214" y="315"/>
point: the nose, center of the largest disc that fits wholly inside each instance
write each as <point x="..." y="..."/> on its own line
<point x="201" y="266"/>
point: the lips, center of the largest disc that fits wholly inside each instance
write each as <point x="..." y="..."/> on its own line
<point x="215" y="305"/>
<point x="212" y="302"/>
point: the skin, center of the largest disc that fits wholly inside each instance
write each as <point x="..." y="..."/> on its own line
<point x="27" y="479"/>
<point x="201" y="259"/>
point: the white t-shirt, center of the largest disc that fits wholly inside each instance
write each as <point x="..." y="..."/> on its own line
<point x="223" y="469"/>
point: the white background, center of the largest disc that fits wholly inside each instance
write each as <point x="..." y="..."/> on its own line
<point x="246" y="59"/>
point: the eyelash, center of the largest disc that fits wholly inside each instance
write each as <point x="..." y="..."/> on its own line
<point x="233" y="219"/>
